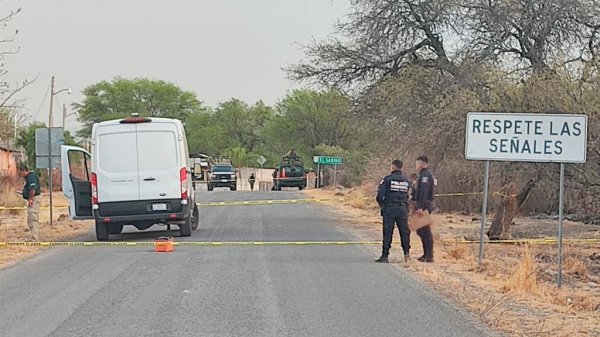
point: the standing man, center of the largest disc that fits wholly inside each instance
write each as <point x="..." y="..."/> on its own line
<point x="392" y="197"/>
<point x="252" y="180"/>
<point x="31" y="192"/>
<point x="424" y="202"/>
<point x="275" y="175"/>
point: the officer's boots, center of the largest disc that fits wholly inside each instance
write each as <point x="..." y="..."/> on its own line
<point x="383" y="259"/>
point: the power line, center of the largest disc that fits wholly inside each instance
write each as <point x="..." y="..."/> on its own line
<point x="43" y="101"/>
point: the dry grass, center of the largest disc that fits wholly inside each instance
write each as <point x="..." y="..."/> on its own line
<point x="360" y="202"/>
<point x="13" y="228"/>
<point x="8" y="195"/>
<point x="360" y="199"/>
<point x="575" y="263"/>
<point x="457" y="251"/>
<point x="524" y="279"/>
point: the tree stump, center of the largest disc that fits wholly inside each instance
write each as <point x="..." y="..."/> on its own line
<point x="511" y="204"/>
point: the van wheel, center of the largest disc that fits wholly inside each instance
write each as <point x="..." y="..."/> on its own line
<point x="101" y="231"/>
<point x="185" y="229"/>
<point x="209" y="187"/>
<point x="233" y="188"/>
<point x="115" y="229"/>
<point x="195" y="218"/>
<point x="300" y="188"/>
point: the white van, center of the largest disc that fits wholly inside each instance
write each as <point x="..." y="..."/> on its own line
<point x="137" y="174"/>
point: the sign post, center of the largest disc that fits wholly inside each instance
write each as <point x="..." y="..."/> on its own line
<point x="261" y="161"/>
<point x="47" y="153"/>
<point x="560" y="222"/>
<point x="547" y="138"/>
<point x="325" y="160"/>
<point x="486" y="180"/>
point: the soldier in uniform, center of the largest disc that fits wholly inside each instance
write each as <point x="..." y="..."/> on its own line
<point x="252" y="180"/>
<point x="31" y="193"/>
<point x="392" y="197"/>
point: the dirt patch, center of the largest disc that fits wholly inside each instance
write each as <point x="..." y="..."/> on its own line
<point x="13" y="228"/>
<point x="515" y="292"/>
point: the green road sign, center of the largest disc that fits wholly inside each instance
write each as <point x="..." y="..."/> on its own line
<point x="330" y="160"/>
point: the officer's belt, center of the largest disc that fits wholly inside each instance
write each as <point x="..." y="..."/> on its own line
<point x="400" y="203"/>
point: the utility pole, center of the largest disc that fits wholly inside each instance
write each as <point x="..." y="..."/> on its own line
<point x="50" y="116"/>
<point x="64" y="119"/>
<point x="50" y="124"/>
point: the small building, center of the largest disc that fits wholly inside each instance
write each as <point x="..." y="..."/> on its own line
<point x="8" y="161"/>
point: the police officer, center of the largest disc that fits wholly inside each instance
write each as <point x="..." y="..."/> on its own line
<point x="392" y="197"/>
<point x="424" y="202"/>
<point x="31" y="193"/>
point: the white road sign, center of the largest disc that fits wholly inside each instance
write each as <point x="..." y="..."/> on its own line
<point x="261" y="160"/>
<point x="526" y="137"/>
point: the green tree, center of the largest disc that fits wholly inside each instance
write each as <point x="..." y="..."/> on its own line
<point x="123" y="97"/>
<point x="243" y="123"/>
<point x="307" y="118"/>
<point x="206" y="134"/>
<point x="234" y="124"/>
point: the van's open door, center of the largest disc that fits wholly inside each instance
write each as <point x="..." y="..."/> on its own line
<point x="76" y="177"/>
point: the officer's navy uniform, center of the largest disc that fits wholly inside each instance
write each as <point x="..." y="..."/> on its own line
<point x="392" y="197"/>
<point x="424" y="200"/>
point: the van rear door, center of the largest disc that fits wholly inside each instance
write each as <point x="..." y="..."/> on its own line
<point x="117" y="163"/>
<point x="76" y="175"/>
<point x="158" y="145"/>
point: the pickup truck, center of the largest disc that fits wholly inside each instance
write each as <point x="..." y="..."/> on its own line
<point x="222" y="175"/>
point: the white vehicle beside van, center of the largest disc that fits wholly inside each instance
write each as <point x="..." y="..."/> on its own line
<point x="136" y="174"/>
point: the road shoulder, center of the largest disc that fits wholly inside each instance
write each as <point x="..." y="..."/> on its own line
<point x="510" y="294"/>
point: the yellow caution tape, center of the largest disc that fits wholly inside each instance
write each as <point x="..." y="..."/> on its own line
<point x="545" y="241"/>
<point x="191" y="243"/>
<point x="22" y="208"/>
<point x="277" y="243"/>
<point x="500" y="194"/>
<point x="457" y="194"/>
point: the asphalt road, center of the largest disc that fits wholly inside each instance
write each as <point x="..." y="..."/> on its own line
<point x="225" y="291"/>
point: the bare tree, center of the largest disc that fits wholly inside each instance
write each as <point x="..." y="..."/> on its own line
<point x="378" y="40"/>
<point x="9" y="91"/>
<point x="534" y="34"/>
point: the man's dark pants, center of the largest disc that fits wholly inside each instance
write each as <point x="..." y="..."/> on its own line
<point x="395" y="215"/>
<point x="426" y="238"/>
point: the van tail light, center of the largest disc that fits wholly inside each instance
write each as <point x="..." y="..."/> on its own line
<point x="94" y="189"/>
<point x="184" y="183"/>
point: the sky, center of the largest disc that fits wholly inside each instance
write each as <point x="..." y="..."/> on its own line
<point x="218" y="49"/>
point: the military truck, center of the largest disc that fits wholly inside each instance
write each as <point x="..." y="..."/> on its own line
<point x="222" y="174"/>
<point x="290" y="173"/>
